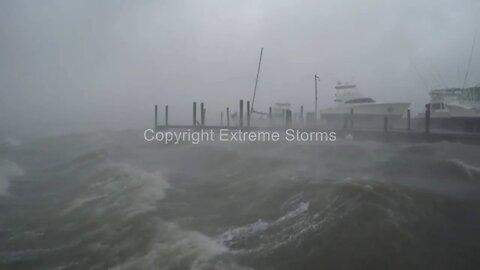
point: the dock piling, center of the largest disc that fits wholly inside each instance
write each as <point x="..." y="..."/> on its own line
<point x="241" y="114"/>
<point x="270" y="115"/>
<point x="427" y="118"/>
<point x="156" y="117"/>
<point x="248" y="113"/>
<point x="194" y="114"/>
<point x="228" y="117"/>
<point x="288" y="118"/>
<point x="408" y="119"/>
<point x="166" y="116"/>
<point x="202" y="114"/>
<point x="301" y="114"/>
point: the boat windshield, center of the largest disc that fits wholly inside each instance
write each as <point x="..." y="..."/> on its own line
<point x="360" y="100"/>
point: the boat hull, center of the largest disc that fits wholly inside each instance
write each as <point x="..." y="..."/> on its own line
<point x="365" y="115"/>
<point x="453" y="118"/>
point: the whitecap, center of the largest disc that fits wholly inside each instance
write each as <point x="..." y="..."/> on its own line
<point x="8" y="170"/>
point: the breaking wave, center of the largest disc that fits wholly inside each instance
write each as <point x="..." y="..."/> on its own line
<point x="100" y="202"/>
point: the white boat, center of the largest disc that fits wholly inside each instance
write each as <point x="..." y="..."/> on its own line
<point x="455" y="109"/>
<point x="366" y="112"/>
<point x="279" y="109"/>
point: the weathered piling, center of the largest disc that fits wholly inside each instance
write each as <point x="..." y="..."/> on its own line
<point x="270" y="115"/>
<point x="408" y="119"/>
<point x="248" y="113"/>
<point x="240" y="117"/>
<point x="202" y="114"/>
<point x="288" y="118"/>
<point x="351" y="118"/>
<point x="166" y="116"/>
<point x="194" y="113"/>
<point x="156" y="117"/>
<point x="228" y="117"/>
<point x="301" y="113"/>
<point x="221" y="118"/>
<point x="427" y="118"/>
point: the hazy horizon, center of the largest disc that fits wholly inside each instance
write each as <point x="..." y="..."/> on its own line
<point x="106" y="63"/>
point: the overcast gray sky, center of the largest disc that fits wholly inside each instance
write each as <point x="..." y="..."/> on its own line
<point x="76" y="63"/>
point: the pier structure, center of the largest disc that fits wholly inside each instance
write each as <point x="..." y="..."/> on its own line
<point x="412" y="131"/>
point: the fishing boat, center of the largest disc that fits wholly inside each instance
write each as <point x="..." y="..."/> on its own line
<point x="366" y="111"/>
<point x="456" y="109"/>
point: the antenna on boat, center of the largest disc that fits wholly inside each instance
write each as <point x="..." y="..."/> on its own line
<point x="470" y="59"/>
<point x="458" y="76"/>
<point x="421" y="78"/>
<point x="438" y="77"/>
<point x="256" y="80"/>
<point x="316" y="96"/>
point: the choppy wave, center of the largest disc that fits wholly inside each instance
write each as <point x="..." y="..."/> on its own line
<point x="102" y="202"/>
<point x="8" y="171"/>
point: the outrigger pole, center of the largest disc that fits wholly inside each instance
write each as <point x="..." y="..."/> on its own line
<point x="469" y="60"/>
<point x="256" y="80"/>
<point x="316" y="97"/>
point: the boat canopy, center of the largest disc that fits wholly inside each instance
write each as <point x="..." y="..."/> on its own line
<point x="349" y="94"/>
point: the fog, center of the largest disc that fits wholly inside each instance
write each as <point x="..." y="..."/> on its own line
<point x="77" y="65"/>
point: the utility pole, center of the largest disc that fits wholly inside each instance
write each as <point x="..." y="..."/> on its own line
<point x="316" y="98"/>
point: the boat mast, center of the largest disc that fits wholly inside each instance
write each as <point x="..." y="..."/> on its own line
<point x="470" y="60"/>
<point x="316" y="97"/>
<point x="256" y="80"/>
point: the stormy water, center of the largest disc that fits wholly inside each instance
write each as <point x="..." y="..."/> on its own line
<point x="114" y="201"/>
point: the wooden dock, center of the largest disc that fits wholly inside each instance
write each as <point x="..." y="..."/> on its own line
<point x="387" y="134"/>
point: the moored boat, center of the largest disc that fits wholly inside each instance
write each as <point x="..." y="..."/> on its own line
<point x="456" y="109"/>
<point x="366" y="111"/>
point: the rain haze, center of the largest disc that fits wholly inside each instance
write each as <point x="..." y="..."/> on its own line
<point x="381" y="172"/>
<point x="70" y="65"/>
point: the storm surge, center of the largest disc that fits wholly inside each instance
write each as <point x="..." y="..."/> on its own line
<point x="114" y="201"/>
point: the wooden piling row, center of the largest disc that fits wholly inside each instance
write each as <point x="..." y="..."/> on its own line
<point x="348" y="123"/>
